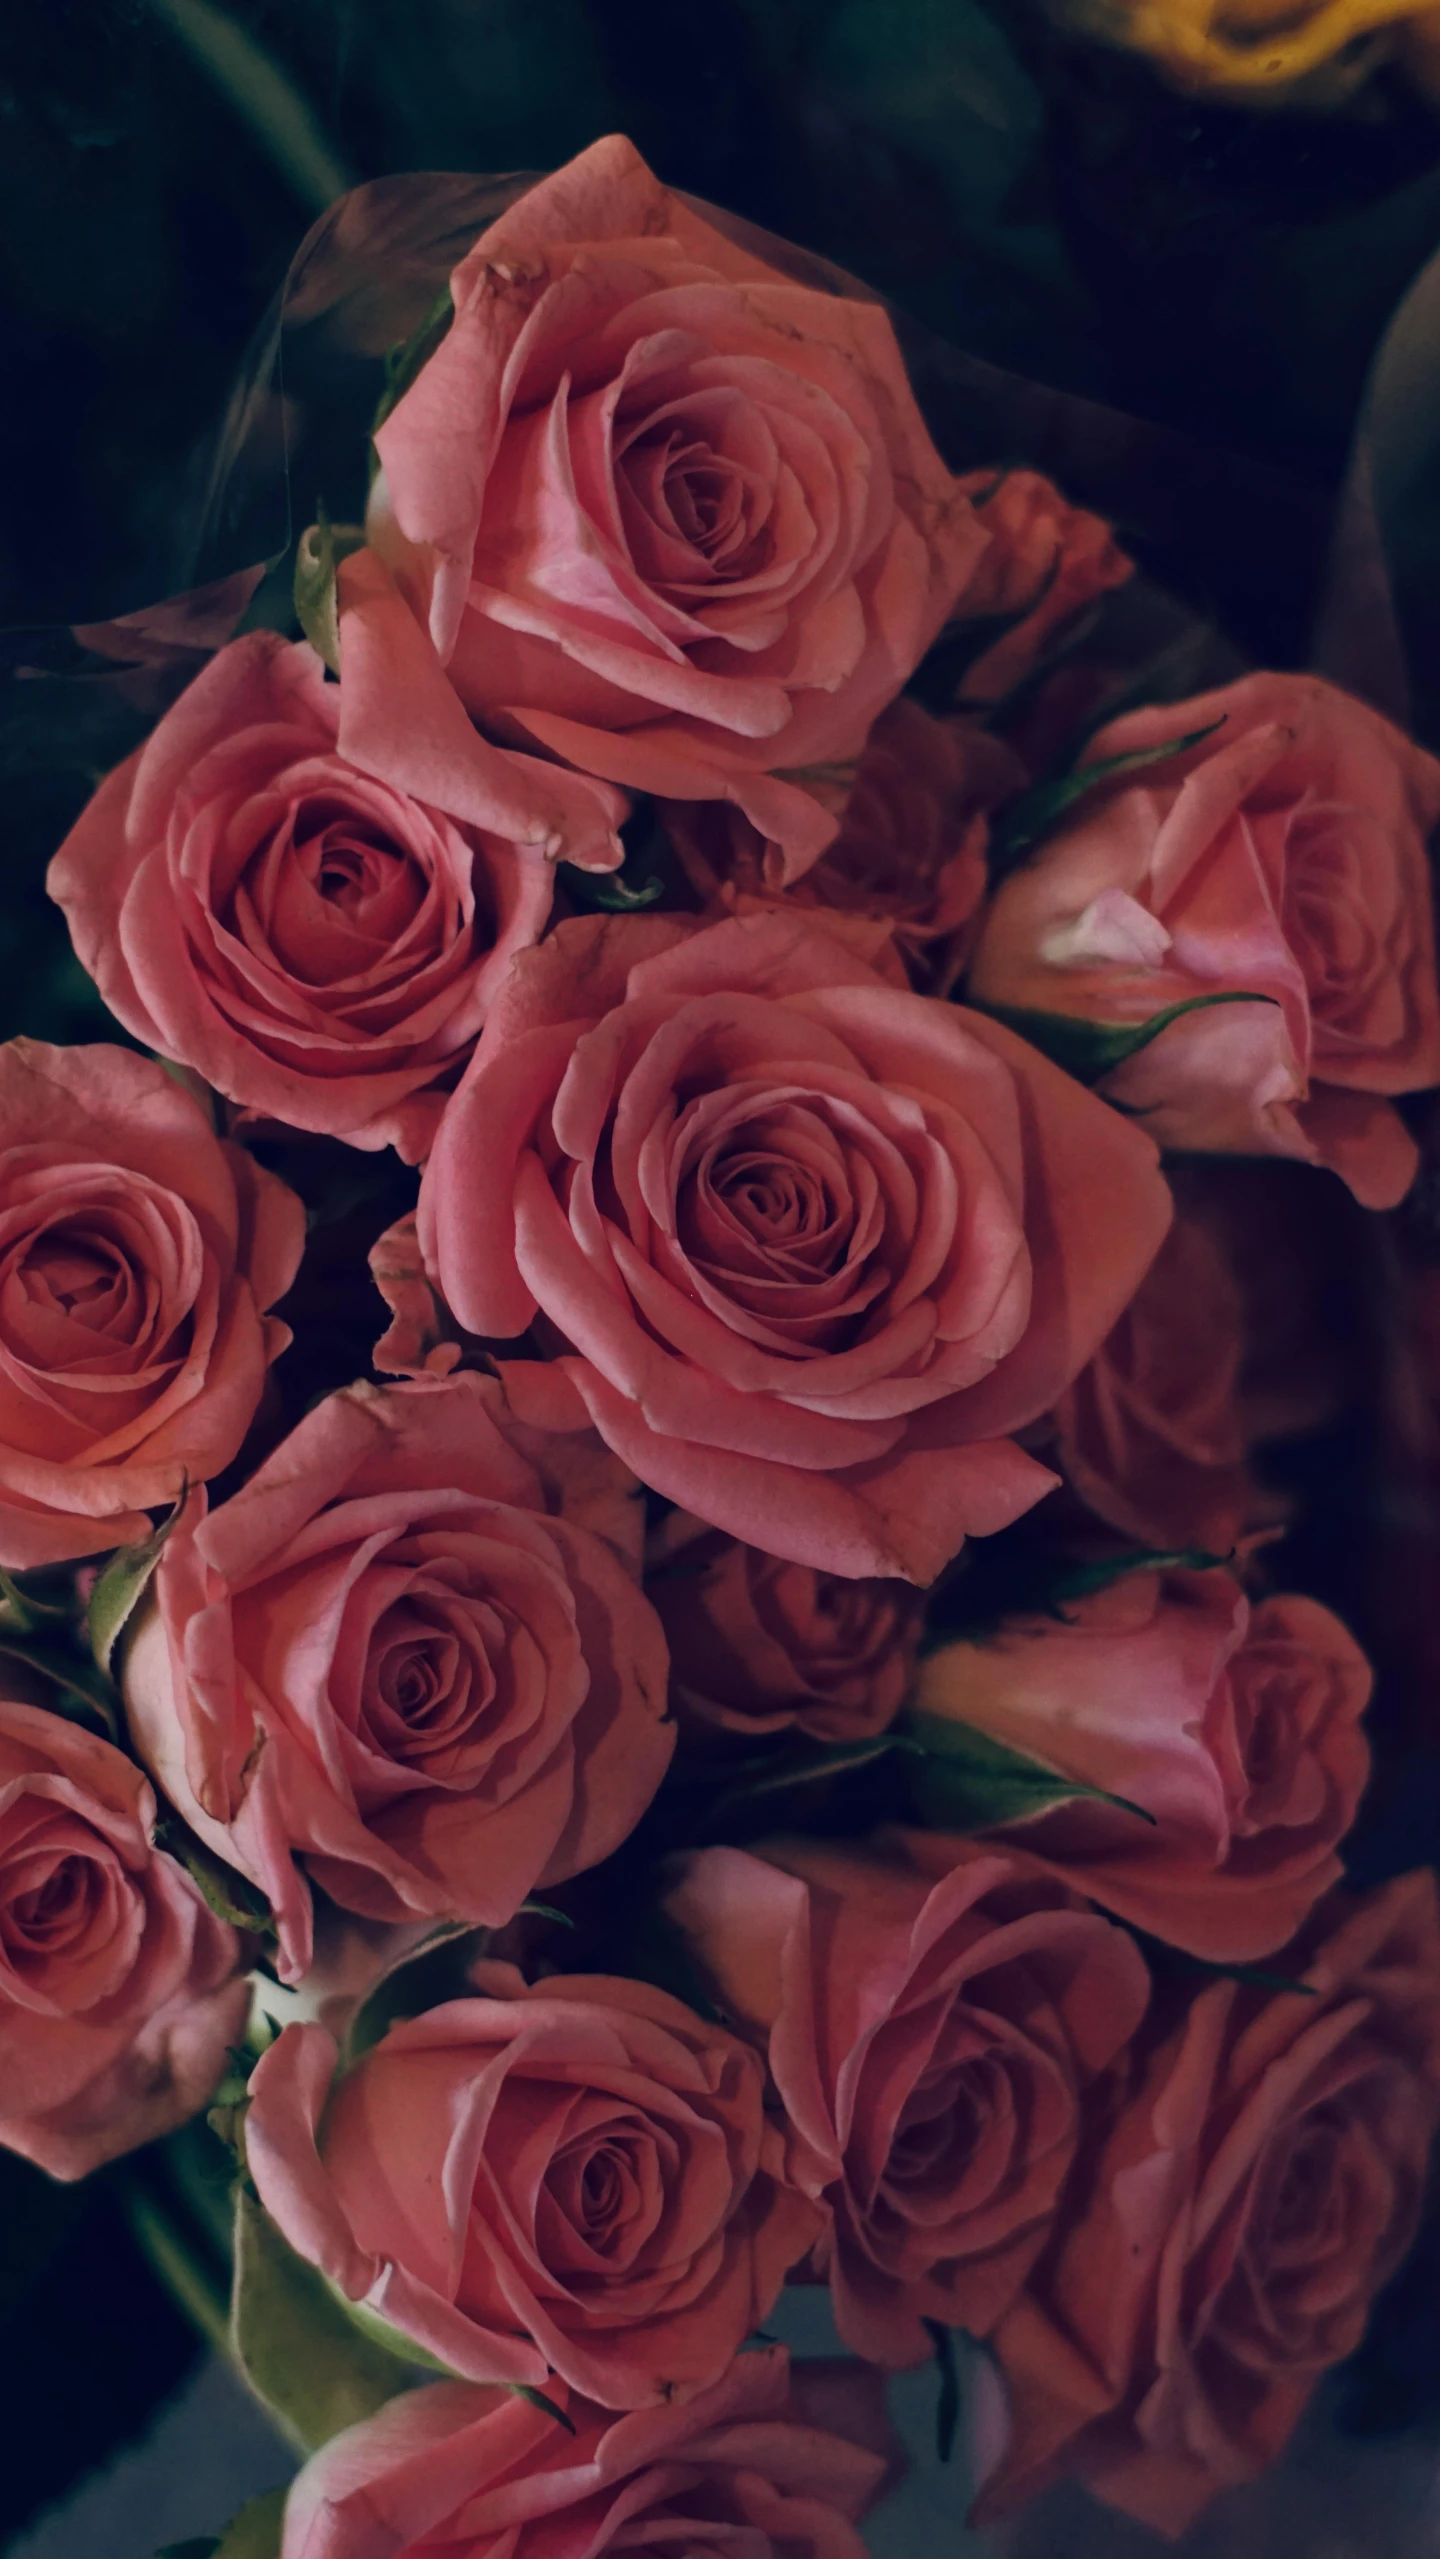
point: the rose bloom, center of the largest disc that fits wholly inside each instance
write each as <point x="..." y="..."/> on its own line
<point x="119" y="1990"/>
<point x="760" y="1646"/>
<point x="1282" y="857"/>
<point x="813" y="1247"/>
<point x="138" y="1254"/>
<point x="1152" y="1434"/>
<point x="910" y="851"/>
<point x="666" y="513"/>
<point x="317" y="944"/>
<point x="931" y="2043"/>
<point x="1045" y="562"/>
<point x="412" y="1652"/>
<point x="576" y="2177"/>
<point x="1256" y="2183"/>
<point x="746" y="2465"/>
<point x="1236" y="1728"/>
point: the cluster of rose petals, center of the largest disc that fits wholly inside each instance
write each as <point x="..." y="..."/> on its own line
<point x="668" y="514"/>
<point x="138" y="1254"/>
<point x="931" y="2043"/>
<point x="577" y="2177"/>
<point x="1281" y="857"/>
<point x="747" y="2464"/>
<point x="1234" y="1727"/>
<point x="1261" y="2178"/>
<point x="1045" y="562"/>
<point x="813" y="1247"/>
<point x="119" y="1989"/>
<point x="315" y="942"/>
<point x="760" y="1646"/>
<point x="412" y="1651"/>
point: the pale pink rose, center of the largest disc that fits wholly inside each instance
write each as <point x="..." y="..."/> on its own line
<point x="137" y="1257"/>
<point x="931" y="2043"/>
<point x="666" y="513"/>
<point x="577" y="2177"/>
<point x="320" y="946"/>
<point x="119" y="1989"/>
<point x="411" y="1653"/>
<point x="1233" y="2219"/>
<point x="911" y="846"/>
<point x="1237" y="1728"/>
<point x="813" y="1246"/>
<point x="760" y="1646"/>
<point x="1282" y="857"/>
<point x="1152" y="1434"/>
<point x="745" y="2466"/>
<point x="1045" y="562"/>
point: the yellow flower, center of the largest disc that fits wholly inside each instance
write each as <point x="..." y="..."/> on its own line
<point x="1249" y="46"/>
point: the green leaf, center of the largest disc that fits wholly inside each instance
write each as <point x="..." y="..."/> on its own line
<point x="82" y="1693"/>
<point x="1032" y="816"/>
<point x="405" y="361"/>
<point x="254" y="2534"/>
<point x="318" y="553"/>
<point x="962" y="1780"/>
<point x="545" y="1910"/>
<point x="295" y="2340"/>
<point x="1090" y="1050"/>
<point x="122" y="1585"/>
<point x="25" y="1609"/>
<point x="947" y="2402"/>
<point x="537" y="2399"/>
<point x="231" y="1896"/>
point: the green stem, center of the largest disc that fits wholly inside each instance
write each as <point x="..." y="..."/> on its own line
<point x="261" y="96"/>
<point x="178" y="2266"/>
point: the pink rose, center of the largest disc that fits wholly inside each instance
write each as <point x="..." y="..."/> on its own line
<point x="911" y="846"/>
<point x="1152" y="1434"/>
<point x="118" y="1987"/>
<point x="137" y="1256"/>
<point x="413" y="1652"/>
<point x="316" y="944"/>
<point x="1259" y="2180"/>
<point x="1282" y="857"/>
<point x="576" y="2177"/>
<point x="931" y="2043"/>
<point x="760" y="1646"/>
<point x="1046" y="561"/>
<point x="813" y="1246"/>
<point x="1236" y="1728"/>
<point x="667" y="514"/>
<point x="743" y="2466"/>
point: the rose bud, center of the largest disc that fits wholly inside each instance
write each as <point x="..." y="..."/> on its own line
<point x="1234" y="2215"/>
<point x="577" y="2177"/>
<point x="1046" y="561"/>
<point x="1235" y="1728"/>
<point x="812" y="1247"/>
<point x="317" y="944"/>
<point x="1280" y="857"/>
<point x="119" y="1989"/>
<point x="666" y="513"/>
<point x="138" y="1254"/>
<point x="931" y="2044"/>
<point x="413" y="1653"/>
<point x="747" y="2464"/>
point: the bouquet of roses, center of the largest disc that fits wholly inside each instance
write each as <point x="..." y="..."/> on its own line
<point x="752" y="1736"/>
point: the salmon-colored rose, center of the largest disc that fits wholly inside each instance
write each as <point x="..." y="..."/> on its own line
<point x="119" y="1989"/>
<point x="137" y="1257"/>
<point x="1045" y="562"/>
<point x="1282" y="857"/>
<point x="1232" y="2221"/>
<point x="1235" y="1728"/>
<point x="413" y="1653"/>
<point x="760" y="1646"/>
<point x="315" y="943"/>
<point x="577" y="2177"/>
<point x="813" y="1246"/>
<point x="931" y="2043"/>
<point x="745" y="2466"/>
<point x="666" y="513"/>
<point x="911" y="846"/>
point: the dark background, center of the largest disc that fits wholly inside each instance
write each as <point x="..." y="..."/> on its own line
<point x="1047" y="207"/>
